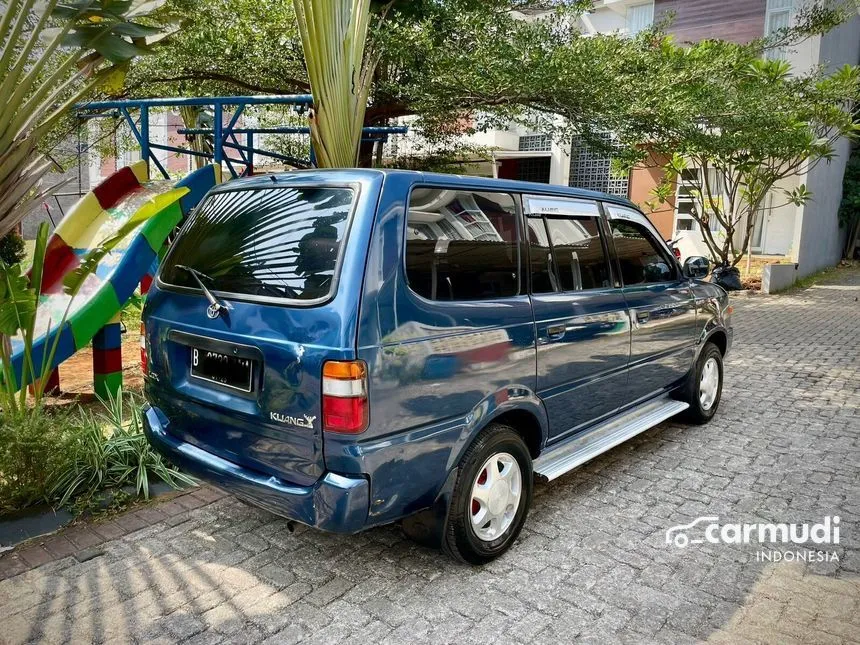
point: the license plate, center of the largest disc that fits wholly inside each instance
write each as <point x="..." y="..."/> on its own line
<point x="223" y="369"/>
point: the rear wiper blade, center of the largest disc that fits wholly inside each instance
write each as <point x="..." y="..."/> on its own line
<point x="215" y="307"/>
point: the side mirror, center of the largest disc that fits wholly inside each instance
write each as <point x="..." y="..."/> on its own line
<point x="696" y="267"/>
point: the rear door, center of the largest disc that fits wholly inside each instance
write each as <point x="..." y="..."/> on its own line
<point x="661" y="304"/>
<point x="582" y="328"/>
<point x="245" y="385"/>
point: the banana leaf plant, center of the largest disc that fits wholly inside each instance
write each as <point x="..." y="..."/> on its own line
<point x="54" y="54"/>
<point x="19" y="302"/>
<point x="334" y="34"/>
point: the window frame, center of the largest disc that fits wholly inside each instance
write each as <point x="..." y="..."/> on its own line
<point x="355" y="187"/>
<point x="685" y="185"/>
<point x="518" y="242"/>
<point x="654" y="240"/>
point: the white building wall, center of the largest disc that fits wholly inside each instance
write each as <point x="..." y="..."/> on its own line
<point x="779" y="228"/>
<point x="818" y="240"/>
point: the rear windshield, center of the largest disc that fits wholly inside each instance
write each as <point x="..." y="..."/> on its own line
<point x="269" y="242"/>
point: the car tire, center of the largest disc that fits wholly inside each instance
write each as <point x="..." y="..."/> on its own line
<point x="491" y="498"/>
<point x="704" y="386"/>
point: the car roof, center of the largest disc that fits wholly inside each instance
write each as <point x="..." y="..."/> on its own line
<point x="470" y="182"/>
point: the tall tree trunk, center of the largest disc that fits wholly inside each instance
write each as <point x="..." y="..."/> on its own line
<point x="190" y="116"/>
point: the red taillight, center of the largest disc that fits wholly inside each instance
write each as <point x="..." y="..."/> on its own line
<point x="144" y="359"/>
<point x="677" y="252"/>
<point x="344" y="397"/>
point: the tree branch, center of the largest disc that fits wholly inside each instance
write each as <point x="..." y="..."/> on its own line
<point x="293" y="85"/>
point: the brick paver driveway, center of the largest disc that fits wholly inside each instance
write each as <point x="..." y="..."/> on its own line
<point x="592" y="563"/>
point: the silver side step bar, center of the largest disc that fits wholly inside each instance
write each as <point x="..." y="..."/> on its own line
<point x="570" y="453"/>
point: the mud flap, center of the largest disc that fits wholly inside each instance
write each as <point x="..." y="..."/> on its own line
<point x="427" y="527"/>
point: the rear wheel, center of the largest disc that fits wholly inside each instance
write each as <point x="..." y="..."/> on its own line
<point x="491" y="497"/>
<point x="704" y="386"/>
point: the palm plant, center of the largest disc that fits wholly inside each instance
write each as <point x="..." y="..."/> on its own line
<point x="334" y="34"/>
<point x="53" y="55"/>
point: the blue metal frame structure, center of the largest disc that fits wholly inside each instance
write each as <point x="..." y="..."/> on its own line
<point x="224" y="135"/>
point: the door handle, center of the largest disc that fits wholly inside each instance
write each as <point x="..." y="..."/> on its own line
<point x="555" y="331"/>
<point x="643" y="316"/>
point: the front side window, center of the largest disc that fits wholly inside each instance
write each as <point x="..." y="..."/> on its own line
<point x="462" y="245"/>
<point x="280" y="243"/>
<point x="641" y="259"/>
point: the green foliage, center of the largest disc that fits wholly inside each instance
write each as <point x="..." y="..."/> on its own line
<point x="439" y="59"/>
<point x="741" y="122"/>
<point x="109" y="452"/>
<point x="452" y="62"/>
<point x="53" y="55"/>
<point x="19" y="304"/>
<point x="849" y="209"/>
<point x="67" y="456"/>
<point x="33" y="446"/>
<point x="132" y="311"/>
<point x="12" y="248"/>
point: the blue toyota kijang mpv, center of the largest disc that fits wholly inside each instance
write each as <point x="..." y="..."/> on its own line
<point x="349" y="348"/>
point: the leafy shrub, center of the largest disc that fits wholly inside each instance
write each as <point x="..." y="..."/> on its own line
<point x="849" y="209"/>
<point x="12" y="248"/>
<point x="109" y="452"/>
<point x="132" y="311"/>
<point x="33" y="446"/>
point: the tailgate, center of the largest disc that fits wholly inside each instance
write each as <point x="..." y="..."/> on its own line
<point x="275" y="427"/>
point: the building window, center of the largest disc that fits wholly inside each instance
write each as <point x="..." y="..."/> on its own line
<point x="778" y="17"/>
<point x="592" y="171"/>
<point x="534" y="169"/>
<point x="639" y="17"/>
<point x="689" y="201"/>
<point x="535" y="143"/>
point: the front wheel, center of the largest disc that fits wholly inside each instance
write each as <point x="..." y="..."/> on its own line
<point x="704" y="386"/>
<point x="491" y="498"/>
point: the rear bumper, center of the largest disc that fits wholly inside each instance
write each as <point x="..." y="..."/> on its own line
<point x="333" y="503"/>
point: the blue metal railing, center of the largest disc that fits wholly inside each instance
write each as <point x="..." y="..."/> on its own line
<point x="223" y="135"/>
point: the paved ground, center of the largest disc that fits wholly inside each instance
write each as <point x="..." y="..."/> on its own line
<point x="592" y="563"/>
